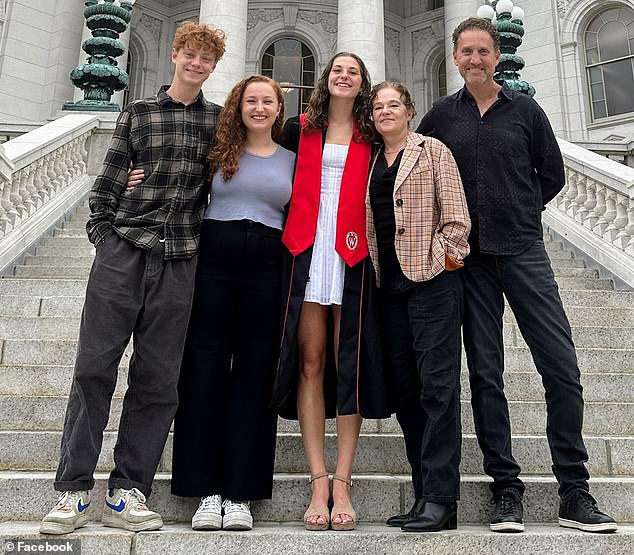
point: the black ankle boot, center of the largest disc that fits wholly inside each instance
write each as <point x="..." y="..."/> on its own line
<point x="414" y="512"/>
<point x="435" y="517"/>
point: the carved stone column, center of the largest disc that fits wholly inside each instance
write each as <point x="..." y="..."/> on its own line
<point x="455" y="12"/>
<point x="231" y="17"/>
<point x="361" y="30"/>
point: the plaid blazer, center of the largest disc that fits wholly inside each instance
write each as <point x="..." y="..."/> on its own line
<point x="430" y="210"/>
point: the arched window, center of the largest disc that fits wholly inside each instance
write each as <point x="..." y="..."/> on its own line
<point x="292" y="64"/>
<point x="441" y="79"/>
<point x="609" y="45"/>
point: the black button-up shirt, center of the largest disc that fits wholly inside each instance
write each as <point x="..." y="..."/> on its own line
<point x="171" y="142"/>
<point x="509" y="161"/>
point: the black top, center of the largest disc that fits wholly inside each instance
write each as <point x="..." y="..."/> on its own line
<point x="509" y="161"/>
<point x="382" y="203"/>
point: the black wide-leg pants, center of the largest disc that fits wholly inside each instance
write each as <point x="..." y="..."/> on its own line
<point x="224" y="430"/>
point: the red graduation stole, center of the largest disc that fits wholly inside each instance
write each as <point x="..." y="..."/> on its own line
<point x="299" y="232"/>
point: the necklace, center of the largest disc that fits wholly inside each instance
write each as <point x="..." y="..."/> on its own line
<point x="394" y="151"/>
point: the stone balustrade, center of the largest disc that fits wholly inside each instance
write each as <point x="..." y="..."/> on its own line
<point x="595" y="209"/>
<point x="44" y="173"/>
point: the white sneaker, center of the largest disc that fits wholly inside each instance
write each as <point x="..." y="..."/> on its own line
<point x="126" y="509"/>
<point x="208" y="516"/>
<point x="237" y="515"/>
<point x="70" y="513"/>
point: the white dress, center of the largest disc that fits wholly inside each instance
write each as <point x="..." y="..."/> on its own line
<point x="327" y="268"/>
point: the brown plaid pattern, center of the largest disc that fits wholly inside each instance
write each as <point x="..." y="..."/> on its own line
<point x="430" y="210"/>
<point x="170" y="141"/>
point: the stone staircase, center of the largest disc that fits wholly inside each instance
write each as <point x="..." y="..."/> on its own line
<point x="39" y="318"/>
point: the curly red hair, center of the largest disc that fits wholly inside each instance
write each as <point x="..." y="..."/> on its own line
<point x="200" y="36"/>
<point x="231" y="133"/>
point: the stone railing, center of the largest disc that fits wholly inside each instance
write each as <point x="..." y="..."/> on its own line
<point x="43" y="174"/>
<point x="595" y="210"/>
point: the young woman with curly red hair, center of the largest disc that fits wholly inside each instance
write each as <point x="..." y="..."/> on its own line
<point x="224" y="430"/>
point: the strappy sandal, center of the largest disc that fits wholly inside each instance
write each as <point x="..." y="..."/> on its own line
<point x="316" y="511"/>
<point x="342" y="511"/>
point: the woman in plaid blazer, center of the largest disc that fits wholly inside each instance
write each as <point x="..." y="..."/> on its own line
<point x="417" y="229"/>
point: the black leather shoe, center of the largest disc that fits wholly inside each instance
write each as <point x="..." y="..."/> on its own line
<point x="414" y="512"/>
<point x="434" y="518"/>
<point x="508" y="515"/>
<point x="579" y="510"/>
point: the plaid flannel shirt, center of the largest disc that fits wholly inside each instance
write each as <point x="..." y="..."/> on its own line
<point x="170" y="141"/>
<point x="430" y="211"/>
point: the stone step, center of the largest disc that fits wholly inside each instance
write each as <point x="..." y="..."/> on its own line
<point x="31" y="260"/>
<point x="42" y="287"/>
<point x="71" y="272"/>
<point x="41" y="328"/>
<point x="19" y="352"/>
<point x="81" y="271"/>
<point x="76" y="230"/>
<point x="60" y="250"/>
<point x="75" y="223"/>
<point x="32" y="306"/>
<point x="527" y="386"/>
<point x="65" y="306"/>
<point x="33" y="413"/>
<point x="271" y="538"/>
<point x="376" y="454"/>
<point x="591" y="360"/>
<point x="606" y="337"/>
<point x="601" y="284"/>
<point x="616" y="299"/>
<point x="520" y="385"/>
<point x="67" y="293"/>
<point x="568" y="263"/>
<point x="596" y="316"/>
<point x="291" y="494"/>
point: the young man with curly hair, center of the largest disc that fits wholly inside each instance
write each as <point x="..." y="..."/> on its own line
<point x="140" y="286"/>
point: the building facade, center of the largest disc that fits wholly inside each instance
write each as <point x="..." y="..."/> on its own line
<point x="579" y="53"/>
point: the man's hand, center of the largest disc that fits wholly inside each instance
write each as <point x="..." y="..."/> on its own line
<point x="135" y="177"/>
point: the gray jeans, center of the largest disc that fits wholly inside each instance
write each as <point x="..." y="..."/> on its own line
<point x="131" y="292"/>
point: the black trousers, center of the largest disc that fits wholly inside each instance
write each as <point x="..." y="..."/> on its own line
<point x="224" y="430"/>
<point x="421" y="340"/>
<point x="528" y="283"/>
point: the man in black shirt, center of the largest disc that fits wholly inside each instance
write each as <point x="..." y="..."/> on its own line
<point x="511" y="167"/>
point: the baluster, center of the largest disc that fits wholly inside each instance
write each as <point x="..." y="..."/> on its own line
<point x="610" y="215"/>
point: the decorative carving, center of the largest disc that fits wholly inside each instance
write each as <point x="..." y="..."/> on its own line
<point x="153" y="25"/>
<point x="393" y="38"/>
<point x="421" y="37"/>
<point x="290" y="15"/>
<point x="265" y="15"/>
<point x="563" y="6"/>
<point x="327" y="20"/>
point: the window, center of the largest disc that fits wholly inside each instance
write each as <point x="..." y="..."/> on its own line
<point x="435" y="4"/>
<point x="609" y="46"/>
<point x="441" y="79"/>
<point x="292" y="64"/>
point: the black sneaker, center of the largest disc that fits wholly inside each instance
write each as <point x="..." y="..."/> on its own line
<point x="579" y="510"/>
<point x="508" y="515"/>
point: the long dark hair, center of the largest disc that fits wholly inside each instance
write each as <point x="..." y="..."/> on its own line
<point x="317" y="111"/>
